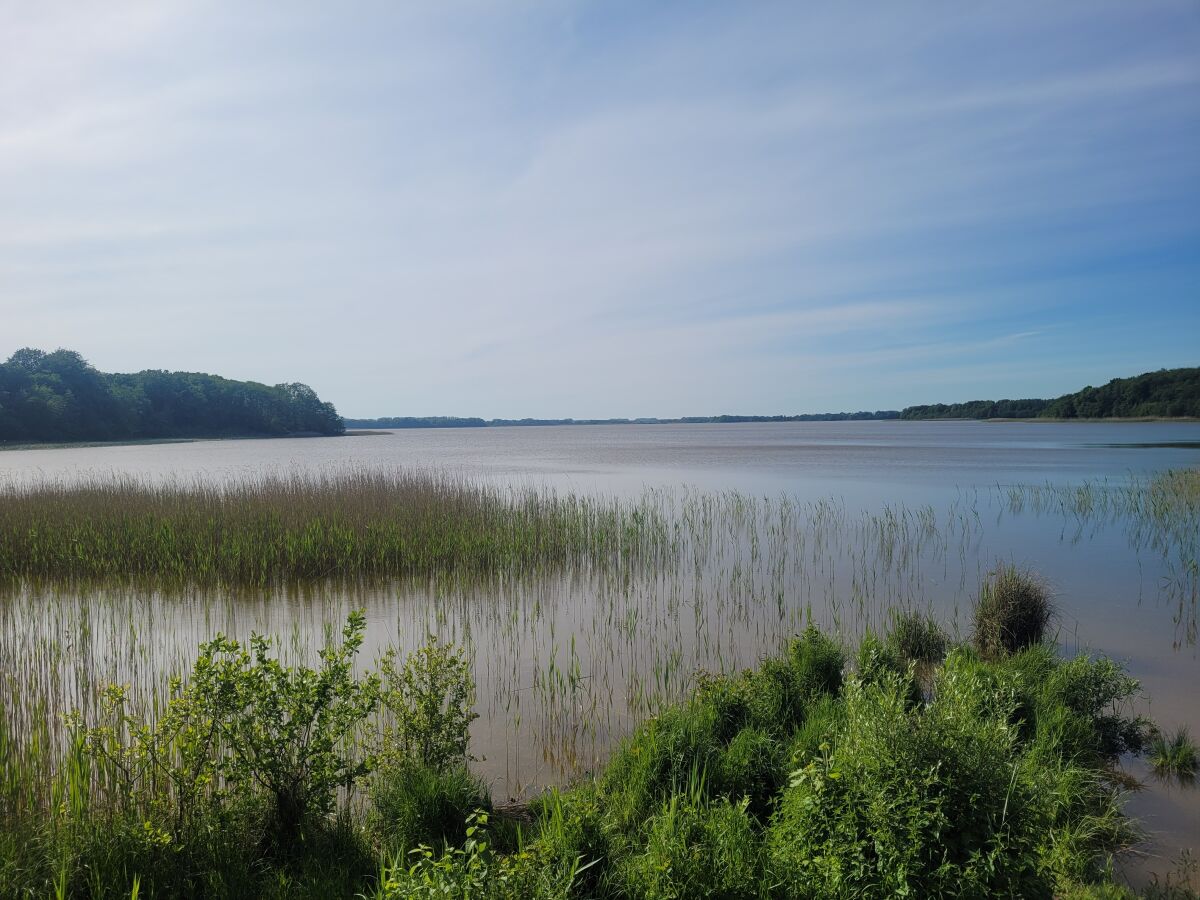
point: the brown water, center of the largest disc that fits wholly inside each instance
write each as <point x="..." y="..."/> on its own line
<point x="836" y="523"/>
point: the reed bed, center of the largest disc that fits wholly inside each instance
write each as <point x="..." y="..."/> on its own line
<point x="266" y="530"/>
<point x="585" y="616"/>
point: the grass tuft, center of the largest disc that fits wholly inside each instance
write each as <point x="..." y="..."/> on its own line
<point x="1173" y="755"/>
<point x="1013" y="612"/>
<point x="917" y="638"/>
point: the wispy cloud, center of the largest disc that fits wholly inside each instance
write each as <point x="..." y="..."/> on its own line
<point x="604" y="209"/>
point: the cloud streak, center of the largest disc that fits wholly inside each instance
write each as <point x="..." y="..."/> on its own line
<point x="601" y="209"/>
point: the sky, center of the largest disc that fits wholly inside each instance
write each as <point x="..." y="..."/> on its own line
<point x="569" y="209"/>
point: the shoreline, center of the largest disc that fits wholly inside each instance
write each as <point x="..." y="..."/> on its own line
<point x="140" y="442"/>
<point x="1114" y="419"/>
<point x="377" y="431"/>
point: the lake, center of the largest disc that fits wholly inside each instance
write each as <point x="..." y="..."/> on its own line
<point x="784" y="523"/>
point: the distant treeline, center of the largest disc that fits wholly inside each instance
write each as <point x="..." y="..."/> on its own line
<point x="60" y="397"/>
<point x="1167" y="393"/>
<point x="474" y="422"/>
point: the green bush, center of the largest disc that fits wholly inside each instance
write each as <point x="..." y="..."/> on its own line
<point x="938" y="800"/>
<point x="574" y="829"/>
<point x="432" y="698"/>
<point x="242" y="724"/>
<point x="475" y="871"/>
<point x="1096" y="694"/>
<point x="752" y="767"/>
<point x="820" y="727"/>
<point x="1012" y="613"/>
<point x="917" y="638"/>
<point x="412" y="804"/>
<point x="672" y="752"/>
<point x="817" y="662"/>
<point x="735" y="700"/>
<point x="695" y="849"/>
<point x="245" y="765"/>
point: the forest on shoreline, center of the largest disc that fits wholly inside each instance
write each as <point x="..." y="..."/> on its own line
<point x="60" y="397"/>
<point x="1165" y="394"/>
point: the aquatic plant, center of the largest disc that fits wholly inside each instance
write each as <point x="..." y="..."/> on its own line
<point x="917" y="638"/>
<point x="274" y="529"/>
<point x="1013" y="611"/>
<point x="572" y="654"/>
<point x="1173" y="755"/>
<point x="413" y="804"/>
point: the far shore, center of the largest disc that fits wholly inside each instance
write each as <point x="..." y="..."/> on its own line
<point x="1117" y="419"/>
<point x="67" y="445"/>
<point x="368" y="432"/>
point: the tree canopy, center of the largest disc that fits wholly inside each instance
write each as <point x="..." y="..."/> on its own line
<point x="60" y="397"/>
<point x="1167" y="393"/>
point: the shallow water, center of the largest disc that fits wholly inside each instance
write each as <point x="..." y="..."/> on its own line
<point x="851" y="520"/>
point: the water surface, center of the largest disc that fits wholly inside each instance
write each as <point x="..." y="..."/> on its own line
<point x="835" y="522"/>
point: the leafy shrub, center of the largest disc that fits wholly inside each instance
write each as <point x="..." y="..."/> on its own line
<point x="476" y="871"/>
<point x="938" y="799"/>
<point x="1096" y="694"/>
<point x="817" y="662"/>
<point x="432" y="698"/>
<point x="574" y="830"/>
<point x="735" y="702"/>
<point x="1012" y="612"/>
<point x="242" y="723"/>
<point x="693" y="850"/>
<point x="753" y="767"/>
<point x="412" y="804"/>
<point x="286" y="729"/>
<point x="820" y="727"/>
<point x="672" y="752"/>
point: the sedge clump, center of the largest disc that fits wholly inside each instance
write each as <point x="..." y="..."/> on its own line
<point x="1013" y="612"/>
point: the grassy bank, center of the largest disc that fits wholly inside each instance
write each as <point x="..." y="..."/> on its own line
<point x="906" y="766"/>
<point x="349" y="524"/>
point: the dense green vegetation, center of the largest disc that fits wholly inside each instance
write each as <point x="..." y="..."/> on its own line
<point x="819" y="773"/>
<point x="1167" y="393"/>
<point x="269" y="530"/>
<point x="978" y="409"/>
<point x="471" y="422"/>
<point x="59" y="397"/>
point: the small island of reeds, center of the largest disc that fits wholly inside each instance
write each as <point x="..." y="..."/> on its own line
<point x="273" y="529"/>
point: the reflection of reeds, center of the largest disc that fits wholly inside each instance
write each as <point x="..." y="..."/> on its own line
<point x="1161" y="513"/>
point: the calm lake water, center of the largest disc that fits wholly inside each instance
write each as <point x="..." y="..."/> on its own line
<point x="837" y="522"/>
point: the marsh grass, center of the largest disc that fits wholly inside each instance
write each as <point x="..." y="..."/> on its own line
<point x="1013" y="611"/>
<point x="917" y="638"/>
<point x="268" y="530"/>
<point x="575" y="649"/>
<point x="1174" y="755"/>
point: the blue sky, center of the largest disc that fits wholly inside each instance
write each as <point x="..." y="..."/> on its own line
<point x="606" y="209"/>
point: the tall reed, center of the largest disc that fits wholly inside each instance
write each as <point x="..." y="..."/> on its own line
<point x="264" y="530"/>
